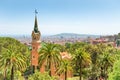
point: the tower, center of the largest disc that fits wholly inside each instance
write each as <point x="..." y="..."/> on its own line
<point x="35" y="44"/>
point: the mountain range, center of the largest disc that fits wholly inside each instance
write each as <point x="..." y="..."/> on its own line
<point x="74" y="35"/>
<point x="61" y="35"/>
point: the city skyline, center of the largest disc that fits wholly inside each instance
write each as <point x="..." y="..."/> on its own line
<point x="101" y="17"/>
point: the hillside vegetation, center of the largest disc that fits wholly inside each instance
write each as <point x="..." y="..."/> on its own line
<point x="88" y="62"/>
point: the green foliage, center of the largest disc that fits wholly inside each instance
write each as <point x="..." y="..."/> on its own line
<point x="72" y="47"/>
<point x="6" y="42"/>
<point x="40" y="76"/>
<point x="14" y="56"/>
<point x="64" y="67"/>
<point x="50" y="54"/>
<point x="106" y="62"/>
<point x="81" y="58"/>
<point x="1" y="76"/>
<point x="73" y="78"/>
<point x="87" y="60"/>
<point x="115" y="74"/>
<point x="18" y="76"/>
<point x="60" y="47"/>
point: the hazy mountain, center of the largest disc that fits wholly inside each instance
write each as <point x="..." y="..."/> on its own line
<point x="58" y="38"/>
<point x="74" y="35"/>
<point x="62" y="35"/>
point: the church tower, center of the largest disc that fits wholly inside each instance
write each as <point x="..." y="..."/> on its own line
<point x="35" y="44"/>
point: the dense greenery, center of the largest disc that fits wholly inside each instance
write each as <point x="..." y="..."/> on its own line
<point x="14" y="56"/>
<point x="88" y="61"/>
<point x="39" y="76"/>
<point x="100" y="59"/>
<point x="64" y="67"/>
<point x="50" y="55"/>
<point x="115" y="74"/>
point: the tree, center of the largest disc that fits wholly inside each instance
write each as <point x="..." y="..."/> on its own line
<point x="115" y="74"/>
<point x="72" y="47"/>
<point x="65" y="67"/>
<point x="95" y="51"/>
<point x="12" y="53"/>
<point x="50" y="55"/>
<point x="106" y="61"/>
<point x="81" y="57"/>
<point x="13" y="61"/>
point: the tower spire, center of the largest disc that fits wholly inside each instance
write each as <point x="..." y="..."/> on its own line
<point x="35" y="44"/>
<point x="36" y="24"/>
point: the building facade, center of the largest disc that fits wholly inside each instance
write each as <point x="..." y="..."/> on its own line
<point x="35" y="45"/>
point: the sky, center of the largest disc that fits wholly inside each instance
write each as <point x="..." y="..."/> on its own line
<point x="98" y="17"/>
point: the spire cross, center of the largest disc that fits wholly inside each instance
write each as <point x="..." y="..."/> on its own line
<point x="36" y="12"/>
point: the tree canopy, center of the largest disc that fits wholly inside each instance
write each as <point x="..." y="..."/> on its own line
<point x="13" y="56"/>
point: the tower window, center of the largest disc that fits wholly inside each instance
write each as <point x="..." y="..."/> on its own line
<point x="33" y="47"/>
<point x="33" y="56"/>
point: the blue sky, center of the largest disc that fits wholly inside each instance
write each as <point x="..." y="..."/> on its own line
<point x="101" y="17"/>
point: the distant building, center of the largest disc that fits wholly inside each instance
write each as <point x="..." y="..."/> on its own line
<point x="117" y="42"/>
<point x="98" y="40"/>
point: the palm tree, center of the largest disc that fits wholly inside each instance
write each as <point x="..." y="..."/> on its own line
<point x="115" y="74"/>
<point x="10" y="60"/>
<point x="94" y="51"/>
<point x="72" y="47"/>
<point x="65" y="67"/>
<point x="49" y="54"/>
<point x="81" y="56"/>
<point x="106" y="61"/>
